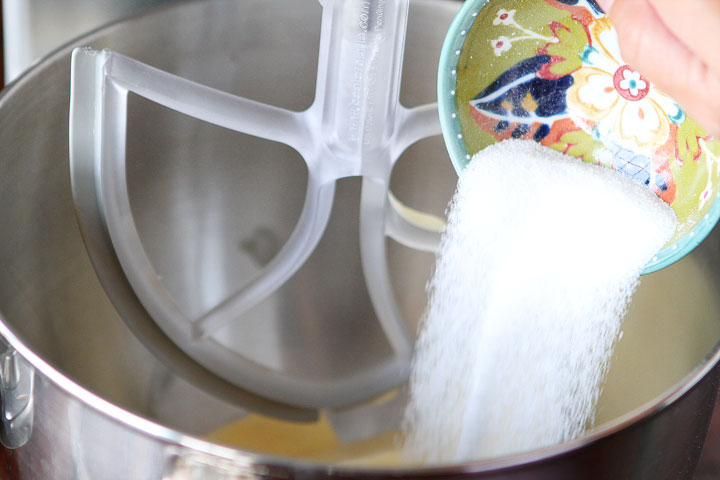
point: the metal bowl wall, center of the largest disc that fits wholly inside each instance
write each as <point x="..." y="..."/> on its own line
<point x="83" y="398"/>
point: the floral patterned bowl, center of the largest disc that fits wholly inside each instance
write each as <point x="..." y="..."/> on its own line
<point x="551" y="71"/>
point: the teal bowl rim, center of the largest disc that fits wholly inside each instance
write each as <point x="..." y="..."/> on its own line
<point x="450" y="125"/>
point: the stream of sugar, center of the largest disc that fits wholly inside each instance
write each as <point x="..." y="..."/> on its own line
<point x="540" y="258"/>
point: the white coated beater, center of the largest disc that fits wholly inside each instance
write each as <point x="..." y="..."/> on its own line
<point x="355" y="127"/>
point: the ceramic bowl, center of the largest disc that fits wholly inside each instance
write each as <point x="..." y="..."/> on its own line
<point x="551" y="71"/>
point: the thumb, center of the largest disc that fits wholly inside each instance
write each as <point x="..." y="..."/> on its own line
<point x="654" y="50"/>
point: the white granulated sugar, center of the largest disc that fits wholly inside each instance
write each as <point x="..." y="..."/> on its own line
<point x="535" y="272"/>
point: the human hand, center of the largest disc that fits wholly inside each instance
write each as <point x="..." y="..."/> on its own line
<point x="676" y="45"/>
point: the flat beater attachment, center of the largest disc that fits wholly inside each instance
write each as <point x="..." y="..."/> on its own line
<point x="355" y="127"/>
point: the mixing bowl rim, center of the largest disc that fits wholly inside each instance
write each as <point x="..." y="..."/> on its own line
<point x="171" y="436"/>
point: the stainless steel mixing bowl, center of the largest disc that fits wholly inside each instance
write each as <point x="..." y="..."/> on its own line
<point x="82" y="397"/>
